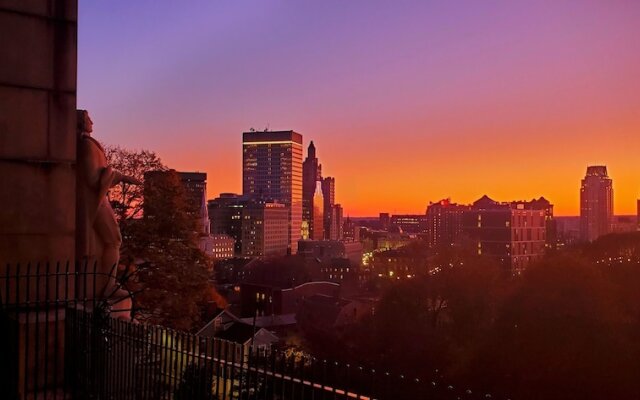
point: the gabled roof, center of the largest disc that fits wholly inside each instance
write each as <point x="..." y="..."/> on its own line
<point x="238" y="333"/>
<point x="224" y="314"/>
<point x="242" y="333"/>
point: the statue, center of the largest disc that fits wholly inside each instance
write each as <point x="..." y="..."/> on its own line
<point x="98" y="234"/>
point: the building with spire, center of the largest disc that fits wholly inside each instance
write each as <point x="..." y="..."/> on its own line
<point x="311" y="176"/>
<point x="596" y="203"/>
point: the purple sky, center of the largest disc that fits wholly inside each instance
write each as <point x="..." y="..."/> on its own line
<point x="407" y="102"/>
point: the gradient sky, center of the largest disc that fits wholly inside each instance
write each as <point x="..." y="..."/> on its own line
<point x="407" y="102"/>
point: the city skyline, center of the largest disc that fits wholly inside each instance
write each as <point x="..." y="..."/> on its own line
<point x="514" y="103"/>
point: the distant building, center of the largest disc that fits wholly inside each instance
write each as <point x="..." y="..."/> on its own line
<point x="195" y="184"/>
<point x="336" y="232"/>
<point x="350" y="231"/>
<point x="225" y="214"/>
<point x="384" y="221"/>
<point x="316" y="229"/>
<point x="513" y="233"/>
<point x="410" y="223"/>
<point x="596" y="203"/>
<point x="311" y="175"/>
<point x="329" y="196"/>
<point x="444" y="222"/>
<point x="272" y="171"/>
<point x="638" y="212"/>
<point x="219" y="247"/>
<point x="326" y="250"/>
<point x="195" y="190"/>
<point x="261" y="300"/>
<point x="265" y="229"/>
<point x="259" y="228"/>
<point x="624" y="224"/>
<point x="399" y="263"/>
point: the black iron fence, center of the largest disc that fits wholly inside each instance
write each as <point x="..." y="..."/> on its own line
<point x="60" y="340"/>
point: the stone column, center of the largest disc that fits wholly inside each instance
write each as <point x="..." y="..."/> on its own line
<point x="38" y="41"/>
<point x="38" y="44"/>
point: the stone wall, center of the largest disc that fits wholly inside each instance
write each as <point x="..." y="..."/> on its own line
<point x="38" y="44"/>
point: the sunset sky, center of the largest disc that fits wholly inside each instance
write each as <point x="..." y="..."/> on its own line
<point x="407" y="102"/>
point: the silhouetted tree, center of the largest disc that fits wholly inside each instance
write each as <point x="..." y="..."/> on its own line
<point x="128" y="200"/>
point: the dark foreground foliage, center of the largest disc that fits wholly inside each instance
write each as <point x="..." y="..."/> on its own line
<point x="566" y="329"/>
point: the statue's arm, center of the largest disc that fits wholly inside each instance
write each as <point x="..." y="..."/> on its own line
<point x="120" y="177"/>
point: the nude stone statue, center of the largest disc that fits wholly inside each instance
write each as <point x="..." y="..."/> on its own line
<point x="98" y="236"/>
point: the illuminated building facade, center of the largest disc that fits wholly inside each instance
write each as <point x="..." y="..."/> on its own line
<point x="219" y="247"/>
<point x="596" y="203"/>
<point x="265" y="229"/>
<point x="317" y="226"/>
<point x="410" y="223"/>
<point x="272" y="171"/>
<point x="259" y="228"/>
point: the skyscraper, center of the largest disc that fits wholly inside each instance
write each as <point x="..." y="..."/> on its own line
<point x="596" y="203"/>
<point x="317" y="227"/>
<point x="311" y="174"/>
<point x="329" y="193"/>
<point x="272" y="171"/>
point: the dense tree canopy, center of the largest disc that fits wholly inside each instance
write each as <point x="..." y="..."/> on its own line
<point x="565" y="329"/>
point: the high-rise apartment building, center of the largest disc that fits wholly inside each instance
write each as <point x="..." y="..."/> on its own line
<point x="596" y="203"/>
<point x="444" y="223"/>
<point x="272" y="171"/>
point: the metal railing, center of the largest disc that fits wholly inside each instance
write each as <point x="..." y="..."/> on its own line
<point x="60" y="341"/>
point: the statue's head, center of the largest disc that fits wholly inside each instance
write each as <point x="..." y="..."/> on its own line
<point x="85" y="125"/>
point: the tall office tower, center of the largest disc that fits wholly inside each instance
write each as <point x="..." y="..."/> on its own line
<point x="311" y="174"/>
<point x="596" y="203"/>
<point x="444" y="223"/>
<point x="513" y="233"/>
<point x="329" y="193"/>
<point x="272" y="170"/>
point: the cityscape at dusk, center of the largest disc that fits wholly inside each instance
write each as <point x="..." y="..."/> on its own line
<point x="278" y="200"/>
<point x="409" y="102"/>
